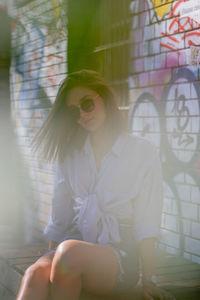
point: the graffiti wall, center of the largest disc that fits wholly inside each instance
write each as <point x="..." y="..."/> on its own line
<point x="165" y="108"/>
<point x="39" y="44"/>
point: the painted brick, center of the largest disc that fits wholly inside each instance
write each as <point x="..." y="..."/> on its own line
<point x="172" y="60"/>
<point x="195" y="259"/>
<point x="185" y="156"/>
<point x="183" y="192"/>
<point x="144" y="19"/>
<point x="171" y="223"/>
<point x="134" y="7"/>
<point x="138" y="36"/>
<point x="193" y="91"/>
<point x="160" y="61"/>
<point x="195" y="194"/>
<point x="189" y="210"/>
<point x="172" y="250"/>
<point x="187" y="255"/>
<point x="184" y="91"/>
<point x="186" y="227"/>
<point x="168" y="192"/>
<point x="170" y="238"/>
<point x="171" y="29"/>
<point x="161" y="246"/>
<point x="189" y="180"/>
<point x="192" y="245"/>
<point x="162" y="73"/>
<point x="159" y="28"/>
<point x="134" y="50"/>
<point x="149" y="32"/>
<point x="182" y="58"/>
<point x="132" y="85"/>
<point x="132" y="69"/>
<point x="135" y="22"/>
<point x="179" y="178"/>
<point x="196" y="230"/>
<point x="175" y="210"/>
<point x="144" y="48"/>
<point x="149" y="63"/>
<point x="199" y="211"/>
<point x="139" y="65"/>
<point x="163" y="220"/>
<point x="154" y="46"/>
<point x="195" y="25"/>
<point x="144" y="79"/>
<point x="167" y="205"/>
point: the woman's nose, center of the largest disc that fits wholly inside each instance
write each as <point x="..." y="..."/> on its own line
<point x="82" y="115"/>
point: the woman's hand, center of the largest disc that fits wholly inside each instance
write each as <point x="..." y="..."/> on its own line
<point x="153" y="292"/>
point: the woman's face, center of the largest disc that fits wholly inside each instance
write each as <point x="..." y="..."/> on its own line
<point x="90" y="106"/>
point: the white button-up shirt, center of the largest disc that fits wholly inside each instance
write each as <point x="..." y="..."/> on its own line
<point x="128" y="185"/>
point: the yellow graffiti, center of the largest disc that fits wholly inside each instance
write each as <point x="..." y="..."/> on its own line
<point x="162" y="7"/>
<point x="57" y="8"/>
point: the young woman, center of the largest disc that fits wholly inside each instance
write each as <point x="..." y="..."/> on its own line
<point x="107" y="200"/>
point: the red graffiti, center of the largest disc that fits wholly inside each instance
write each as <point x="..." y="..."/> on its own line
<point x="52" y="70"/>
<point x="180" y="25"/>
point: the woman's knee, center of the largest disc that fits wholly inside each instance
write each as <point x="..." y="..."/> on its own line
<point x="68" y="260"/>
<point x="37" y="272"/>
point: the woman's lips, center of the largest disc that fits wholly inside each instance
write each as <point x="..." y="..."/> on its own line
<point x="86" y="122"/>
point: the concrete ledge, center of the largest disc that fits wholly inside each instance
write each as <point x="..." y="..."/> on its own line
<point x="13" y="262"/>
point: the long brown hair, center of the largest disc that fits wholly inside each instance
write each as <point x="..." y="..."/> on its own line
<point x="60" y="134"/>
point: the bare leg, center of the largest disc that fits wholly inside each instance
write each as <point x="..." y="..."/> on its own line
<point x="78" y="265"/>
<point x="35" y="283"/>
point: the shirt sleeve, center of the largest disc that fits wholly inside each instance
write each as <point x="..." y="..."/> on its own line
<point x="61" y="209"/>
<point x="147" y="208"/>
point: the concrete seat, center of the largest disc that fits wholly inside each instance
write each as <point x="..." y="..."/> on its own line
<point x="175" y="274"/>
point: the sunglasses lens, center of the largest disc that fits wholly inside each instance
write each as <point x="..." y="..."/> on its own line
<point x="74" y="112"/>
<point x="87" y="105"/>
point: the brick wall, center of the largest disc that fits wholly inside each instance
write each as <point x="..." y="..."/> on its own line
<point x="165" y="108"/>
<point x="164" y="103"/>
<point x="38" y="66"/>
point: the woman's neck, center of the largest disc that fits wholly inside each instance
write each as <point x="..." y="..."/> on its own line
<point x="101" y="142"/>
<point x="101" y="138"/>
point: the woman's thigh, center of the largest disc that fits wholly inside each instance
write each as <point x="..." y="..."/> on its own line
<point x="96" y="264"/>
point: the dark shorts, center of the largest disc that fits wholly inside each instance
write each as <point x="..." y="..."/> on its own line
<point x="128" y="260"/>
<point x="126" y="251"/>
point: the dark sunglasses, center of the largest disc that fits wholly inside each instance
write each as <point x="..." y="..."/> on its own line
<point x="86" y="105"/>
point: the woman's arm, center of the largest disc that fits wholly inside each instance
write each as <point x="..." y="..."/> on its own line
<point x="61" y="209"/>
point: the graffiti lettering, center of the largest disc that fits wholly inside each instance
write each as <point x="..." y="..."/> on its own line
<point x="177" y="25"/>
<point x="179" y="112"/>
<point x="179" y="147"/>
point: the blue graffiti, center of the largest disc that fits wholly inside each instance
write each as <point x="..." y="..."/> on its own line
<point x="176" y="104"/>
